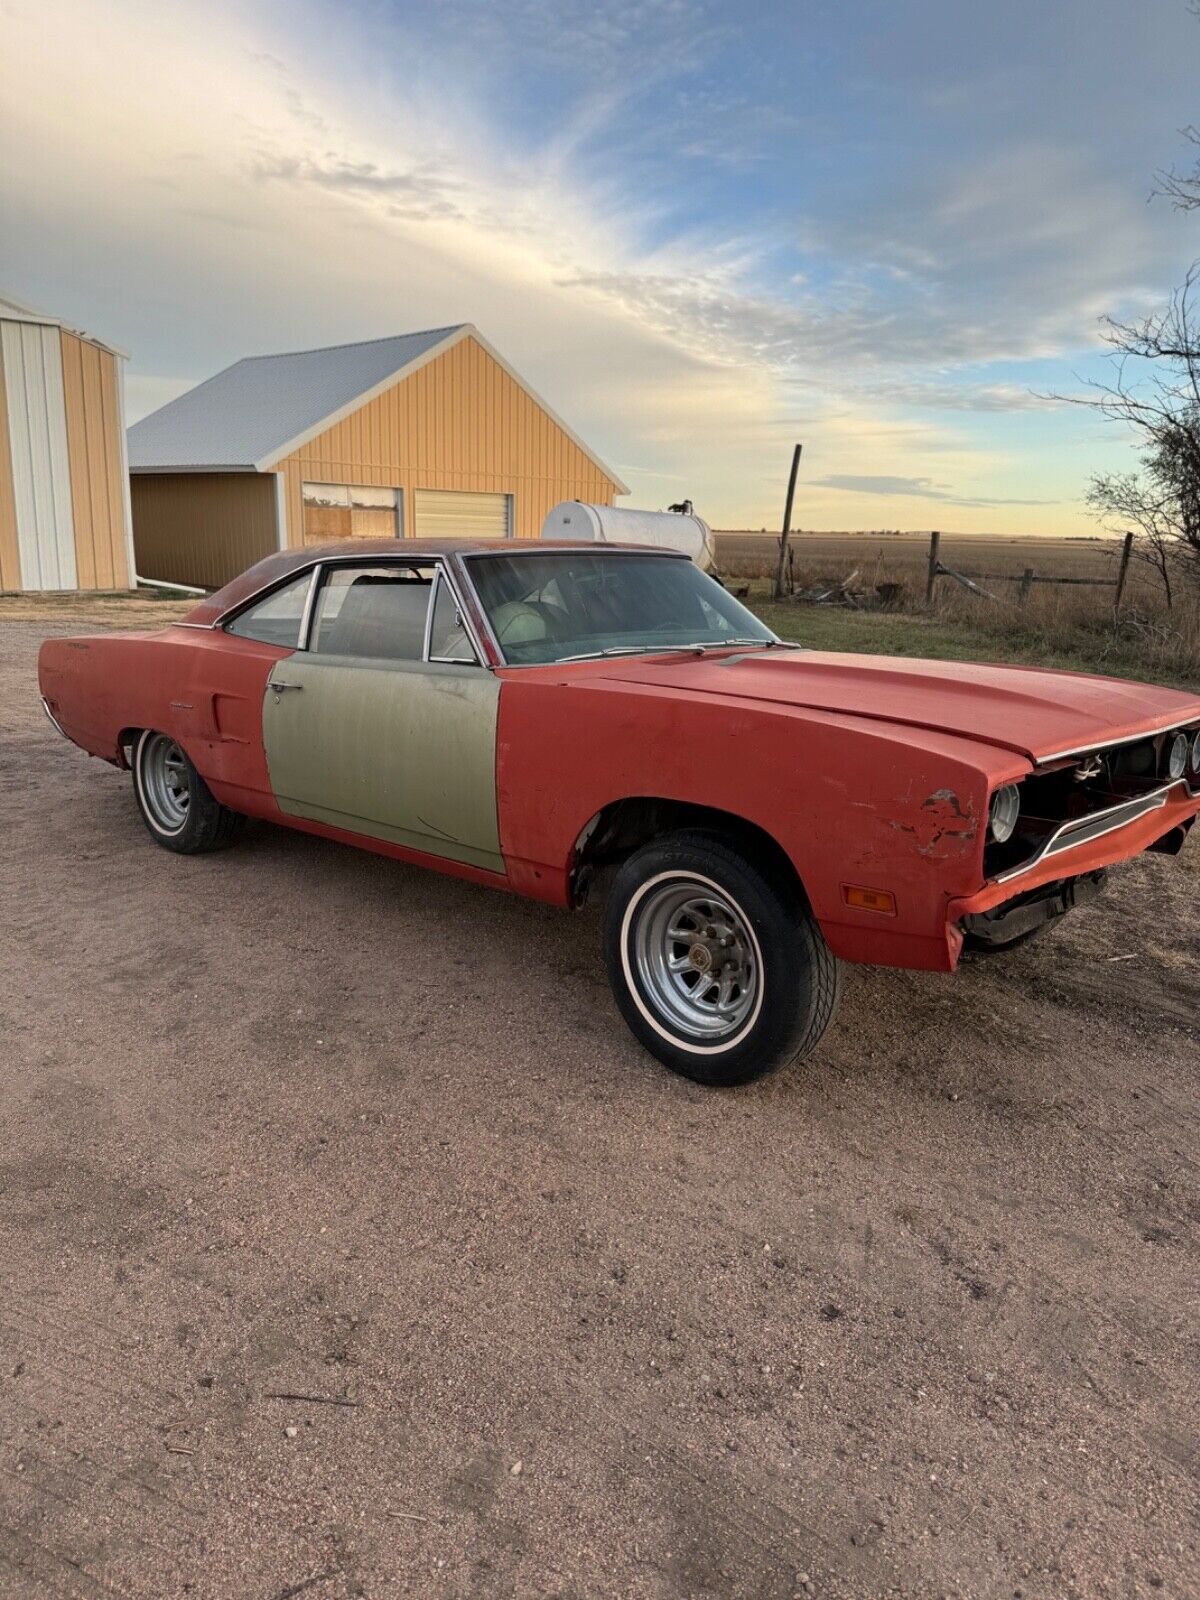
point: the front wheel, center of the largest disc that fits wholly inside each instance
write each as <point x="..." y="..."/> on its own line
<point x="174" y="800"/>
<point x="721" y="973"/>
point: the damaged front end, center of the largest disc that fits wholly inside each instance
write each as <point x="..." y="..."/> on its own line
<point x="1012" y="922"/>
<point x="1077" y="816"/>
<point x="1070" y="802"/>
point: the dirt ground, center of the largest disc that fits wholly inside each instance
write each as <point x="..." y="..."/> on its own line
<point x="350" y="1246"/>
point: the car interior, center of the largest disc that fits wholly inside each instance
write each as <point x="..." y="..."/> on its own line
<point x="379" y="614"/>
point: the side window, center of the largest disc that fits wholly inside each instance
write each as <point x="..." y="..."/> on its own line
<point x="448" y="638"/>
<point x="376" y="612"/>
<point x="277" y="619"/>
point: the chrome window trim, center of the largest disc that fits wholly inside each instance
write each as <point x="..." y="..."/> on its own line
<point x="310" y="608"/>
<point x="290" y="576"/>
<point x="446" y="567"/>
<point x="441" y="560"/>
<point x="1114" y="744"/>
<point x="441" y="566"/>
<point x="480" y="610"/>
<point x="583" y="547"/>
<point x="310" y="602"/>
<point x="1086" y="830"/>
<point x="478" y="658"/>
<point x="433" y="589"/>
<point x="226" y="620"/>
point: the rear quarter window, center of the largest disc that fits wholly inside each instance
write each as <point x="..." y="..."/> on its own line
<point x="277" y="619"/>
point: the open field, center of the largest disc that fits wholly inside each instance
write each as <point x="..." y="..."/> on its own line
<point x="956" y="633"/>
<point x="351" y="1247"/>
<point x="1067" y="626"/>
<point x="898" y="555"/>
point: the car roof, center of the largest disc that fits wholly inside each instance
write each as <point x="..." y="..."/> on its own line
<point x="280" y="564"/>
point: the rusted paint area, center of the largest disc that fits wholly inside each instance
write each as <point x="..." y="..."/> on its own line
<point x="941" y="827"/>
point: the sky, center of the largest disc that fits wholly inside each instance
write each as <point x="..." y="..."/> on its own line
<point x="886" y="228"/>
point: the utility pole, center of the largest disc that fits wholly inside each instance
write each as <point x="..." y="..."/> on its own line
<point x="787" y="523"/>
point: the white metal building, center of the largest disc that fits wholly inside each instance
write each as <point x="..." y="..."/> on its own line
<point x="64" y="481"/>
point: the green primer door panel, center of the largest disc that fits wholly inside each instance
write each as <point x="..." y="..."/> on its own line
<point x="401" y="751"/>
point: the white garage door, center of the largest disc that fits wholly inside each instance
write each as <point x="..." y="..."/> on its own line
<point x="449" y="514"/>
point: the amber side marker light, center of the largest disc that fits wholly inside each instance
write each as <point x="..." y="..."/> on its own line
<point x="869" y="899"/>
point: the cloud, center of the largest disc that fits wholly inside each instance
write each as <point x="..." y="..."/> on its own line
<point x="593" y="186"/>
<point x="964" y="395"/>
<point x="417" y="191"/>
<point x="912" y="489"/>
<point x="1015" y="259"/>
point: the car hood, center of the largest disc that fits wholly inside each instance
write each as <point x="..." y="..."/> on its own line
<point x="1033" y="711"/>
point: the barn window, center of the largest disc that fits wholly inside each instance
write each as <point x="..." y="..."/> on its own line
<point x="350" y="511"/>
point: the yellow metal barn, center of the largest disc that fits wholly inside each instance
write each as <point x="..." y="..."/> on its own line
<point x="425" y="434"/>
<point x="64" y="489"/>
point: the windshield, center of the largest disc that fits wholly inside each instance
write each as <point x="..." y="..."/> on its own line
<point x="568" y="603"/>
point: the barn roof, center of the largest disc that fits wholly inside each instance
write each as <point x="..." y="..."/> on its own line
<point x="246" y="418"/>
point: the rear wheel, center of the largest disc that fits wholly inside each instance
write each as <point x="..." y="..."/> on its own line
<point x="174" y="800"/>
<point x="721" y="973"/>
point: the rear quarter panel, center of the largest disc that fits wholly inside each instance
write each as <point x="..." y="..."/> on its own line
<point x="203" y="688"/>
<point x="850" y="800"/>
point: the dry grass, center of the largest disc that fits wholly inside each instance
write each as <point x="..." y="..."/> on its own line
<point x="119" y="608"/>
<point x="1058" y="625"/>
<point x="901" y="555"/>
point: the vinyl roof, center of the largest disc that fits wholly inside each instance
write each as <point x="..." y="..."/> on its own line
<point x="281" y="564"/>
<point x="246" y="418"/>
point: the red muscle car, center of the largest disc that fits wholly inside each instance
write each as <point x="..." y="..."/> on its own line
<point x="524" y="715"/>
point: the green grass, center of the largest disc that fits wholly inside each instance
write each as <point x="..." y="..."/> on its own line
<point x="1101" y="649"/>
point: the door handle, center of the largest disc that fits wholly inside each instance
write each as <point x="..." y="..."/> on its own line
<point x="278" y="688"/>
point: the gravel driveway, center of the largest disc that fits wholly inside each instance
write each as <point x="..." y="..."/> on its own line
<point x="350" y="1246"/>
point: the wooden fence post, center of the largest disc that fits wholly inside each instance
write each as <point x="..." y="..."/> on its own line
<point x="935" y="540"/>
<point x="1026" y="586"/>
<point x="1123" y="573"/>
<point x="787" y="523"/>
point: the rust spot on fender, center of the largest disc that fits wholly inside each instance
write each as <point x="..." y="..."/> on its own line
<point x="940" y="826"/>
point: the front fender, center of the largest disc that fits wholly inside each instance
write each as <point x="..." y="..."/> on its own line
<point x="851" y="801"/>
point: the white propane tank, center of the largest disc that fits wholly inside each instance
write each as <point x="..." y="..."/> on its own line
<point x="669" y="530"/>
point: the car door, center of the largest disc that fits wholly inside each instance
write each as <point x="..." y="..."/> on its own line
<point x="384" y="724"/>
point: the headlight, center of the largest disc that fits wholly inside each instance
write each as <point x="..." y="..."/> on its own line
<point x="1177" y="757"/>
<point x="1196" y="754"/>
<point x="1006" y="808"/>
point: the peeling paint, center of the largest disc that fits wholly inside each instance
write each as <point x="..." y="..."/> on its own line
<point x="940" y="826"/>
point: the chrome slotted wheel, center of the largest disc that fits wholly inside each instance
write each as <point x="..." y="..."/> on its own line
<point x="697" y="959"/>
<point x="165" y="782"/>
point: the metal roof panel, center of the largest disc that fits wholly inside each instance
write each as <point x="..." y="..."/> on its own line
<point x="248" y="413"/>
